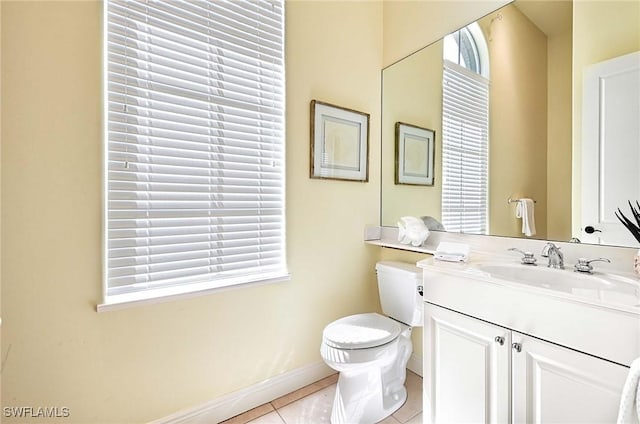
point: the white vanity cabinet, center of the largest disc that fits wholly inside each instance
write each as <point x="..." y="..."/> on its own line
<point x="479" y="372"/>
<point x="466" y="369"/>
<point x="554" y="384"/>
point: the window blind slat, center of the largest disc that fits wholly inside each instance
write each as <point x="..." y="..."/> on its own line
<point x="194" y="143"/>
<point x="465" y="150"/>
<point x="197" y="30"/>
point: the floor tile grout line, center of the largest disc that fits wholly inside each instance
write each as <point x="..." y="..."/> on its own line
<point x="281" y="417"/>
<point x="295" y="400"/>
<point x="408" y="419"/>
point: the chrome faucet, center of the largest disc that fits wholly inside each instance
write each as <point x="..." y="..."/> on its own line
<point x="556" y="258"/>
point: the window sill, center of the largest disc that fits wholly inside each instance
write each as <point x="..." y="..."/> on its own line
<point x="168" y="294"/>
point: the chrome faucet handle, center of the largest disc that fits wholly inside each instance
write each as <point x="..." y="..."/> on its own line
<point x="527" y="257"/>
<point x="584" y="265"/>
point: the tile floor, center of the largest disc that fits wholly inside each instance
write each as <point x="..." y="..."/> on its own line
<point x="312" y="404"/>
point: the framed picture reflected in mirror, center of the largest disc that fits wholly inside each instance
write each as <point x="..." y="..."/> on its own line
<point x="415" y="148"/>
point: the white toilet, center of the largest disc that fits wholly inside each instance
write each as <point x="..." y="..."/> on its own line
<point x="371" y="350"/>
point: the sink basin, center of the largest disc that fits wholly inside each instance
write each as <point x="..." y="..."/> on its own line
<point x="604" y="287"/>
<point x="597" y="313"/>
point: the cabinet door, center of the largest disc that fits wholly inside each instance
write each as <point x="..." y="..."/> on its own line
<point x="553" y="384"/>
<point x="467" y="369"/>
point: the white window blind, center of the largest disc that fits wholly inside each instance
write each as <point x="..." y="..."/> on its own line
<point x="194" y="145"/>
<point x="465" y="129"/>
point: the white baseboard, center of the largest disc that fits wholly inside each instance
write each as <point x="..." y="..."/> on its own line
<point x="235" y="403"/>
<point x="415" y="364"/>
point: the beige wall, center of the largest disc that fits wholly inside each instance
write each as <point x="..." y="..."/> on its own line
<point x="412" y="93"/>
<point x="146" y="362"/>
<point x="411" y="25"/>
<point x="601" y="30"/>
<point x="518" y="110"/>
<point x="559" y="51"/>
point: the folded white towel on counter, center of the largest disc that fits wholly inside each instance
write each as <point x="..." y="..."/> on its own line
<point x="452" y="252"/>
<point x="524" y="210"/>
<point x="629" y="412"/>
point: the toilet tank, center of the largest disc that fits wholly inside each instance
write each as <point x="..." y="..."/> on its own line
<point x="398" y="287"/>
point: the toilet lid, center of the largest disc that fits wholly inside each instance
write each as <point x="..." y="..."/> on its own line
<point x="361" y="331"/>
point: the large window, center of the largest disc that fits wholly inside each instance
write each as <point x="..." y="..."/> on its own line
<point x="194" y="152"/>
<point x="465" y="132"/>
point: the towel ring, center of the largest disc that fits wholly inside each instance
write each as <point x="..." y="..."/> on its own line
<point x="510" y="200"/>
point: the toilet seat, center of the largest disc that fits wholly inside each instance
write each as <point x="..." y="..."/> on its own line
<point x="362" y="331"/>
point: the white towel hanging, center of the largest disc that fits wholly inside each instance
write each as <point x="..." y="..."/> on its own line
<point x="524" y="210"/>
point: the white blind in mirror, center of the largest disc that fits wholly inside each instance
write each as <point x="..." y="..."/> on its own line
<point x="195" y="144"/>
<point x="465" y="129"/>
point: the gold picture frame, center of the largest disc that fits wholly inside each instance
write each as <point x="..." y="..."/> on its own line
<point x="339" y="143"/>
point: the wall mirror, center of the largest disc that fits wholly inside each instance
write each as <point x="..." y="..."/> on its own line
<point x="531" y="56"/>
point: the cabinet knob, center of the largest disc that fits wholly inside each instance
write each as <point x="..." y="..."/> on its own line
<point x="499" y="340"/>
<point x="517" y="347"/>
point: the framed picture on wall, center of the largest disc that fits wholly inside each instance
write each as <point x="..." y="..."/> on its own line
<point x="415" y="148"/>
<point x="339" y="143"/>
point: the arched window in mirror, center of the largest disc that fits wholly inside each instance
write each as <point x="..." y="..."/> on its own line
<point x="465" y="132"/>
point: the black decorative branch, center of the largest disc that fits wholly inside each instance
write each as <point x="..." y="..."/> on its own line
<point x="634" y="228"/>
